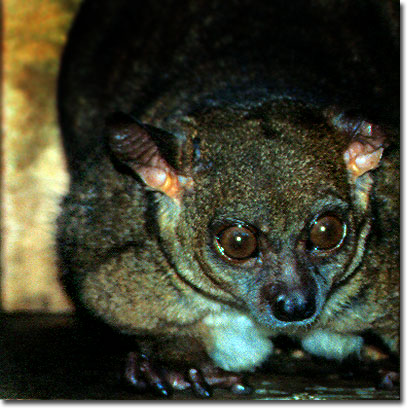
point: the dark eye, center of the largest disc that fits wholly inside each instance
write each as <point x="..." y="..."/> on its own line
<point x="326" y="233"/>
<point x="237" y="242"/>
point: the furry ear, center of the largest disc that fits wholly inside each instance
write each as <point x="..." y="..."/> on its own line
<point x="363" y="155"/>
<point x="138" y="146"/>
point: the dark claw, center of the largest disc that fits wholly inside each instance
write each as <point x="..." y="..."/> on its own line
<point x="389" y="380"/>
<point x="153" y="378"/>
<point x="198" y="384"/>
<point x="241" y="389"/>
<point x="141" y="375"/>
<point x="131" y="375"/>
<point x="226" y="380"/>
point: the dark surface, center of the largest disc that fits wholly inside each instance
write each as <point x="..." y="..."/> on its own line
<point x="49" y="357"/>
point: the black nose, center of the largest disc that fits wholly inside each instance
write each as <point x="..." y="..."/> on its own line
<point x="292" y="305"/>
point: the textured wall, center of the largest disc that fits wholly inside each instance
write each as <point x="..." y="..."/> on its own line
<point x="34" y="176"/>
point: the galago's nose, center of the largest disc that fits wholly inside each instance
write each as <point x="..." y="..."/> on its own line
<point x="292" y="305"/>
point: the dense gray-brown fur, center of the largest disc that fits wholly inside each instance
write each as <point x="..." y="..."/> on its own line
<point x="264" y="116"/>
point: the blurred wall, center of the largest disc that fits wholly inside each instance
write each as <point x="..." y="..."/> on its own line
<point x="33" y="173"/>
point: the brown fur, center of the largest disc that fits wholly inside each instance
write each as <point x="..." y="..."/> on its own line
<point x="141" y="257"/>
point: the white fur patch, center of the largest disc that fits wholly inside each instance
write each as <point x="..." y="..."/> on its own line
<point x="332" y="345"/>
<point x="238" y="343"/>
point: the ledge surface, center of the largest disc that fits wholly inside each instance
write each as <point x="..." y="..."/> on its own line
<point x="53" y="357"/>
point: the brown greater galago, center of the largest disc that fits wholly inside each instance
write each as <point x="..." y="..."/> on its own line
<point x="234" y="177"/>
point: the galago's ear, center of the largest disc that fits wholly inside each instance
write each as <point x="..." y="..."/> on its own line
<point x="363" y="152"/>
<point x="362" y="156"/>
<point x="149" y="152"/>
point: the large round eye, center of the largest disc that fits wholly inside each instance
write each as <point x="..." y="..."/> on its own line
<point x="326" y="233"/>
<point x="237" y="242"/>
